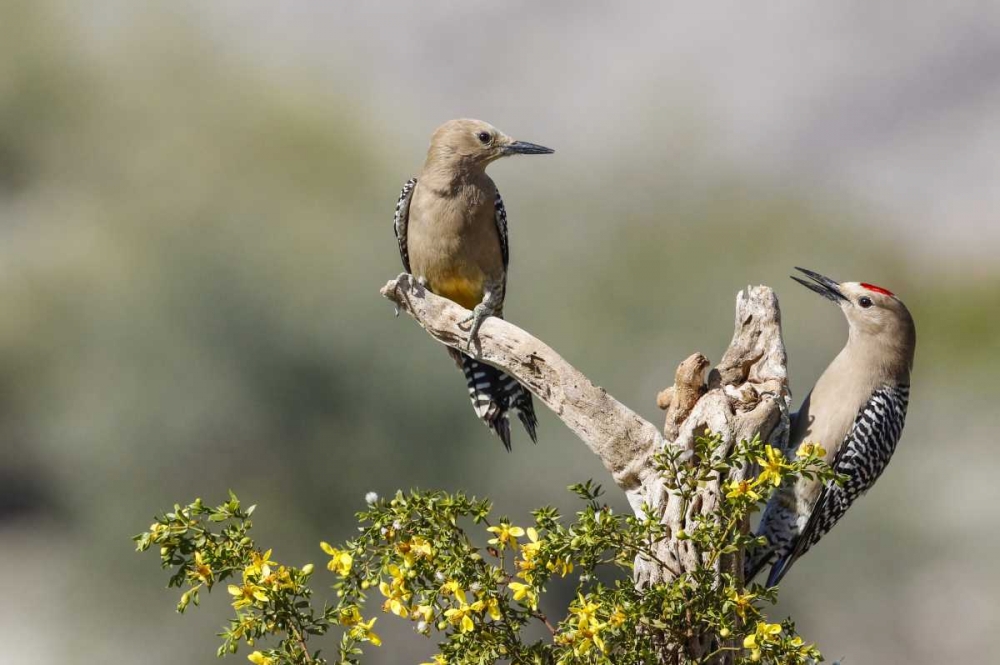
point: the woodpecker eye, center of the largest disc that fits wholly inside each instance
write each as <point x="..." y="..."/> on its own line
<point x="865" y="302"/>
<point x="484" y="137"/>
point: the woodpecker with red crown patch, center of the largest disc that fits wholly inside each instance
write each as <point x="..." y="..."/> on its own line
<point x="855" y="412"/>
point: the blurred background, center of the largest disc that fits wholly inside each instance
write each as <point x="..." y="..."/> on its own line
<point x="195" y="212"/>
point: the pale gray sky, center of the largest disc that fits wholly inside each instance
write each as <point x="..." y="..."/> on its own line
<point x="895" y="104"/>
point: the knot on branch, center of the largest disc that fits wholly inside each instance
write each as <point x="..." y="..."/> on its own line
<point x="679" y="399"/>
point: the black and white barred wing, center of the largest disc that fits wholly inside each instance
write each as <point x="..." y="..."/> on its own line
<point x="862" y="459"/>
<point x="401" y="219"/>
<point x="500" y="217"/>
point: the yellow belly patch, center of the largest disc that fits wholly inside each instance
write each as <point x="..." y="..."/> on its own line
<point x="466" y="292"/>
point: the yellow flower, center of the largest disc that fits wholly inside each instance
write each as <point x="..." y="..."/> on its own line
<point x="459" y="616"/>
<point x="741" y="603"/>
<point x="529" y="554"/>
<point x="437" y="659"/>
<point x="530" y="549"/>
<point x="363" y="631"/>
<point x="455" y="589"/>
<point x="506" y="535"/>
<point x="201" y="569"/>
<point x="773" y="466"/>
<point x="257" y="658"/>
<point x="424" y="612"/>
<point x="764" y="633"/>
<point x="738" y="488"/>
<point x="807" y="449"/>
<point x="592" y="634"/>
<point x="421" y="547"/>
<point x="260" y="564"/>
<point x="246" y="594"/>
<point x="340" y="561"/>
<point x="585" y="611"/>
<point x="585" y="639"/>
<point x="395" y="592"/>
<point x="562" y="567"/>
<point x="617" y="617"/>
<point x="524" y="592"/>
<point x="493" y="609"/>
<point x="409" y="550"/>
<point x="279" y="579"/>
<point x="350" y="616"/>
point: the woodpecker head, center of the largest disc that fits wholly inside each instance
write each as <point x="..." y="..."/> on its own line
<point x="474" y="143"/>
<point x="875" y="315"/>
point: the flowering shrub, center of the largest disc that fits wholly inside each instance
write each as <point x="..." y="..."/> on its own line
<point x="473" y="582"/>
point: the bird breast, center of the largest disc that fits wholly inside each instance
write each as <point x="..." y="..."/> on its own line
<point x="454" y="246"/>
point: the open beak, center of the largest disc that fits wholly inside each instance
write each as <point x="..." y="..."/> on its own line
<point x="525" y="148"/>
<point x="824" y="286"/>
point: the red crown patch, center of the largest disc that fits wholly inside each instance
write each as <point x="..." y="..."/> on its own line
<point x="878" y="289"/>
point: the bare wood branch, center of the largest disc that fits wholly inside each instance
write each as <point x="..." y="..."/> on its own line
<point x="746" y="395"/>
<point x="624" y="441"/>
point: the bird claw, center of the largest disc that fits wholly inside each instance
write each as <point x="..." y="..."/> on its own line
<point x="478" y="315"/>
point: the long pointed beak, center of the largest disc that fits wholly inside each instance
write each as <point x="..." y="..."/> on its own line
<point x="525" y="148"/>
<point x="826" y="287"/>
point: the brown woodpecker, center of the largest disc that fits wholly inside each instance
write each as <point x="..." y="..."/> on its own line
<point x="451" y="227"/>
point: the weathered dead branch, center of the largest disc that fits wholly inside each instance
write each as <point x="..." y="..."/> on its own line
<point x="745" y="394"/>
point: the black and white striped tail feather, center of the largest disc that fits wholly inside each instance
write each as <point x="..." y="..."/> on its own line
<point x="494" y="395"/>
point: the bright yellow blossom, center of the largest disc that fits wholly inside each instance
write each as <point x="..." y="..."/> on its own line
<point x="773" y="466"/>
<point x="201" y="569"/>
<point x="259" y="563"/>
<point x="460" y="616"/>
<point x="617" y="617"/>
<point x="493" y="609"/>
<point x="424" y="612"/>
<point x="438" y="659"/>
<point x="363" y="631"/>
<point x="807" y="449"/>
<point x="524" y="592"/>
<point x="741" y="603"/>
<point x="278" y="579"/>
<point x="395" y="592"/>
<point x="350" y="616"/>
<point x="585" y="639"/>
<point x="421" y="547"/>
<point x="246" y="594"/>
<point x="530" y="549"/>
<point x="455" y="589"/>
<point x="738" y="488"/>
<point x="585" y="611"/>
<point x="340" y="561"/>
<point x="561" y="567"/>
<point x="409" y="550"/>
<point x="764" y="633"/>
<point x="257" y="658"/>
<point x="506" y="535"/>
